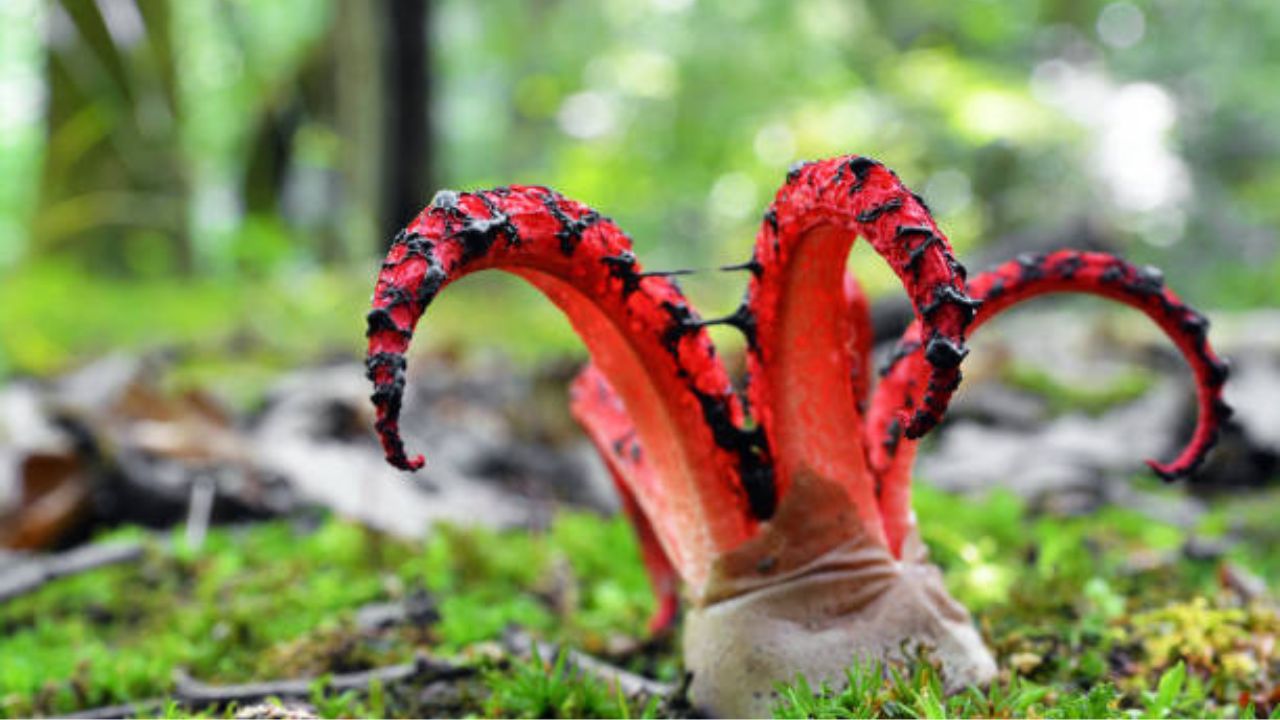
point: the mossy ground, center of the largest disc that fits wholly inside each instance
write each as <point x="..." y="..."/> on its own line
<point x="1090" y="616"/>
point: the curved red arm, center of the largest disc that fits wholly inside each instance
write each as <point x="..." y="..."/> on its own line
<point x="862" y="341"/>
<point x="800" y="356"/>
<point x="600" y="412"/>
<point x="891" y="455"/>
<point x="640" y="330"/>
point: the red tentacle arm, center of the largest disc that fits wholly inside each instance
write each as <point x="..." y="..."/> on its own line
<point x="861" y="341"/>
<point x="640" y="332"/>
<point x="1027" y="277"/>
<point x="800" y="356"/>
<point x="604" y="418"/>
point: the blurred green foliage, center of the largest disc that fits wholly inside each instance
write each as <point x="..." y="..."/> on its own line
<point x="236" y="335"/>
<point x="1063" y="397"/>
<point x="239" y="145"/>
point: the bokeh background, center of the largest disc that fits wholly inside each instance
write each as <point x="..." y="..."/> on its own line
<point x="219" y="176"/>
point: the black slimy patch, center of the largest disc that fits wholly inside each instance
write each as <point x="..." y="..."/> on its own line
<point x="948" y="295"/>
<point x="943" y="352"/>
<point x="870" y="215"/>
<point x="379" y="320"/>
<point x="900" y="352"/>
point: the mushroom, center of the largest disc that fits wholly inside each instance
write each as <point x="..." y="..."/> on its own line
<point x="789" y="526"/>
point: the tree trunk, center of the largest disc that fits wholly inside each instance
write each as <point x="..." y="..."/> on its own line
<point x="407" y="140"/>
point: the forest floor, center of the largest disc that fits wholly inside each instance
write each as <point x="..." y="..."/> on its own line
<point x="1106" y="615"/>
<point x="318" y="590"/>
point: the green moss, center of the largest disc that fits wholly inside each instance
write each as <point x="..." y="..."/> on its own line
<point x="536" y="688"/>
<point x="274" y="599"/>
<point x="1250" y="517"/>
<point x="914" y="690"/>
<point x="1109" y="598"/>
<point x="1088" y="617"/>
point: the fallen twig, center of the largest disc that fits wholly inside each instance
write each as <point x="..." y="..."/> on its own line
<point x="418" y="608"/>
<point x="189" y="690"/>
<point x="26" y="574"/>
<point x="145" y="708"/>
<point x="631" y="684"/>
<point x="192" y="693"/>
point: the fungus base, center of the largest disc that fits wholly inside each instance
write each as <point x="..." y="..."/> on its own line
<point x="854" y="602"/>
